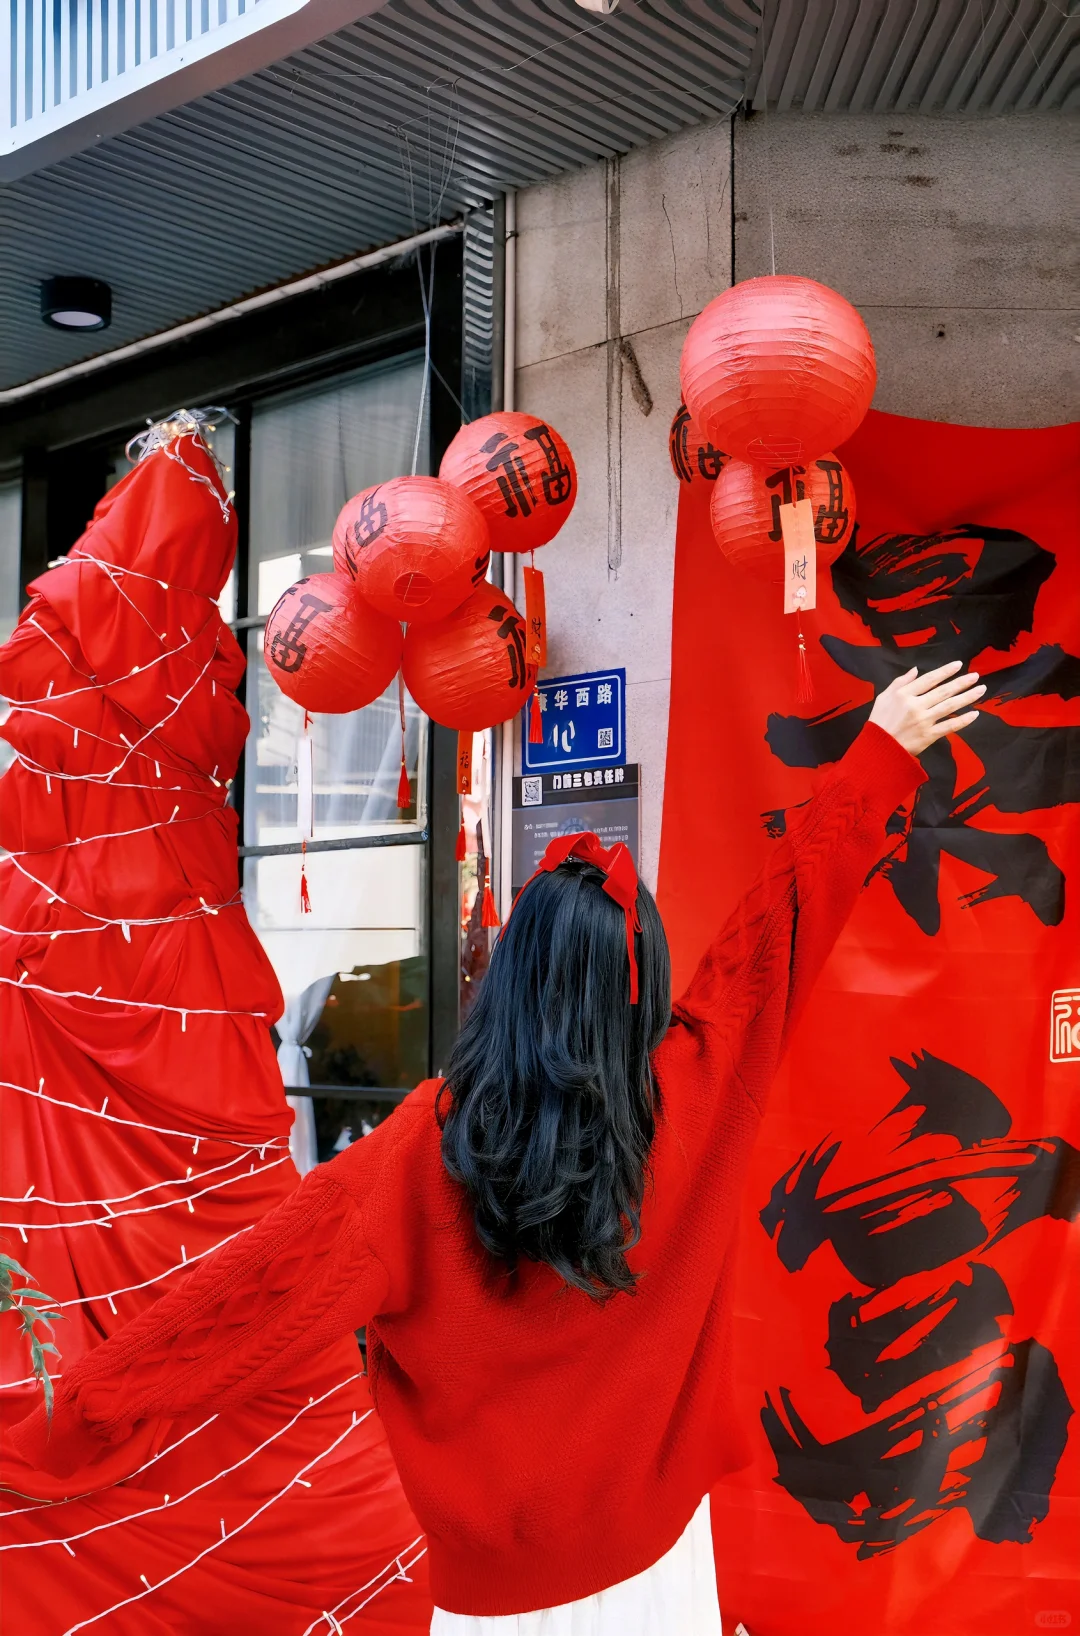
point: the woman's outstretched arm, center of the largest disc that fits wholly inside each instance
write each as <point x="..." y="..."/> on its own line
<point x="755" y="978"/>
<point x="234" y="1325"/>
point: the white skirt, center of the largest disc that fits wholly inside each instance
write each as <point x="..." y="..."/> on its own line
<point x="675" y="1597"/>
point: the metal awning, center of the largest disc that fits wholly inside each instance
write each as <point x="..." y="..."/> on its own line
<point x="426" y="108"/>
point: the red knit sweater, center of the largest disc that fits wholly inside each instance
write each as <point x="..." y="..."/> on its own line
<point x="550" y="1447"/>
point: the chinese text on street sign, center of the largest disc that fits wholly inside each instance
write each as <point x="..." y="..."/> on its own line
<point x="583" y="720"/>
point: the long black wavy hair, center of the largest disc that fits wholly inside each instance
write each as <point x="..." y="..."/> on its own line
<point x="550" y="1105"/>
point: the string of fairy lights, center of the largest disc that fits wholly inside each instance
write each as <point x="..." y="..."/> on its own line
<point x="250" y="1157"/>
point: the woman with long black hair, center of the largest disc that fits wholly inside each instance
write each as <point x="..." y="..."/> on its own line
<point x="541" y="1243"/>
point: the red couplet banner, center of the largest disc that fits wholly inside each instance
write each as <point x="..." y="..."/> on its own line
<point x="907" y="1314"/>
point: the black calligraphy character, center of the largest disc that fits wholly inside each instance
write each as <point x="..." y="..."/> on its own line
<point x="511" y="474"/>
<point x="286" y="648"/>
<point x="710" y="460"/>
<point x="831" y="520"/>
<point x="480" y="568"/>
<point x="372" y="519"/>
<point x="557" y="480"/>
<point x="926" y="600"/>
<point x="366" y="527"/>
<point x="788" y="493"/>
<point x="513" y="634"/>
<point x="987" y="1425"/>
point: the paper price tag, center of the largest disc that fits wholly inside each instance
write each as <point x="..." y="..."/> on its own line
<point x="800" y="556"/>
<point x="305" y="789"/>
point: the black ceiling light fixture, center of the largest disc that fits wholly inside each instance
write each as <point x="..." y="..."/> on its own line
<point x="76" y="303"/>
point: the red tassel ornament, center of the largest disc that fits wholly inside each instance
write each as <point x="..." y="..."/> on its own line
<point x="305" y="895"/>
<point x="404" y="797"/>
<point x="536" y="720"/>
<point x="459" y="850"/>
<point x="489" y="915"/>
<point x="804" y="691"/>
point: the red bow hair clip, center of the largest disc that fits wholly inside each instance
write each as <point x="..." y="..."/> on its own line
<point x="620" y="883"/>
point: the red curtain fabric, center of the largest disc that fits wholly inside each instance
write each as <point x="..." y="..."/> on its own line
<point x="143" y="1113"/>
<point x="906" y="1307"/>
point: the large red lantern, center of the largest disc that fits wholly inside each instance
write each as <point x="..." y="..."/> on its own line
<point x="778" y="370"/>
<point x="328" y="650"/>
<point x="469" y="670"/>
<point x="520" y="473"/>
<point x="745" y="512"/>
<point x="414" y="546"/>
<point x="693" y="457"/>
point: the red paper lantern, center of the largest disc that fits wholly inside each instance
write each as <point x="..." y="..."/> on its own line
<point x="520" y="473"/>
<point x="328" y="650"/>
<point x="778" y="370"/>
<point x="745" y="512"/>
<point x="468" y="671"/>
<point x="415" y="547"/>
<point x="693" y="457"/>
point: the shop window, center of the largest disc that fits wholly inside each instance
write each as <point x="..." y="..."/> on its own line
<point x="354" y="971"/>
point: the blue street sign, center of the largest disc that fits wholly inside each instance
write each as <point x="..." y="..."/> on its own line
<point x="584" y="722"/>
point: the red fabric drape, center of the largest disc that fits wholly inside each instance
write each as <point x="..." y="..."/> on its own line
<point x="142" y="1102"/>
<point x="906" y="1309"/>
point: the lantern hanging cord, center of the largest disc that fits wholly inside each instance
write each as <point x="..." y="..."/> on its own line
<point x="765" y="133"/>
<point x="427" y="293"/>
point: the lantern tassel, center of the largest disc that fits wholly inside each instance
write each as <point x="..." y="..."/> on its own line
<point x="804" y="691"/>
<point x="489" y="915"/>
<point x="459" y="850"/>
<point x="536" y="724"/>
<point x="305" y="895"/>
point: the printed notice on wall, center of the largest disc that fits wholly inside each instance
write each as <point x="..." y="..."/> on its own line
<point x="601" y="799"/>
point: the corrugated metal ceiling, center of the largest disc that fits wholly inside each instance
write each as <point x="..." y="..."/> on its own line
<point x="430" y="107"/>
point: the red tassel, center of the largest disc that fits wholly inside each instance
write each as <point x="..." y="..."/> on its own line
<point x="404" y="796"/>
<point x="536" y="723"/>
<point x="489" y="915"/>
<point x="459" y="850"/>
<point x="305" y="895"/>
<point x="804" y="691"/>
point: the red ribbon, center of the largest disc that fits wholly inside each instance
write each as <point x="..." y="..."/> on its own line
<point x="620" y="883"/>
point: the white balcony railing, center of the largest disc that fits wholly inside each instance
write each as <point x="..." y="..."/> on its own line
<point x="72" y="71"/>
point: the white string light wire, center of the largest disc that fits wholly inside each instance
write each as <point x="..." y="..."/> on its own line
<point x="170" y="1501"/>
<point x="161" y="437"/>
<point x="131" y="749"/>
<point x="181" y="1011"/>
<point x="226" y="1534"/>
<point x="93" y="685"/>
<point x="92" y="1493"/>
<point x="142" y="1210"/>
<point x="124" y="1198"/>
<point x="182" y="1265"/>
<point x="138" y="1124"/>
<point x="331" y="1616"/>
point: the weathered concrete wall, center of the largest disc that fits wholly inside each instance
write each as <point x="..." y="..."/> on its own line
<point x="630" y="249"/>
<point x="954" y="237"/>
<point x="950" y="234"/>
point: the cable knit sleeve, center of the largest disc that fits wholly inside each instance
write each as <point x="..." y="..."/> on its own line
<point x="752" y="983"/>
<point x="273" y="1296"/>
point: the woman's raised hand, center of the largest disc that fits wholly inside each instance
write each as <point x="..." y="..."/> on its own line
<point x="918" y="710"/>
